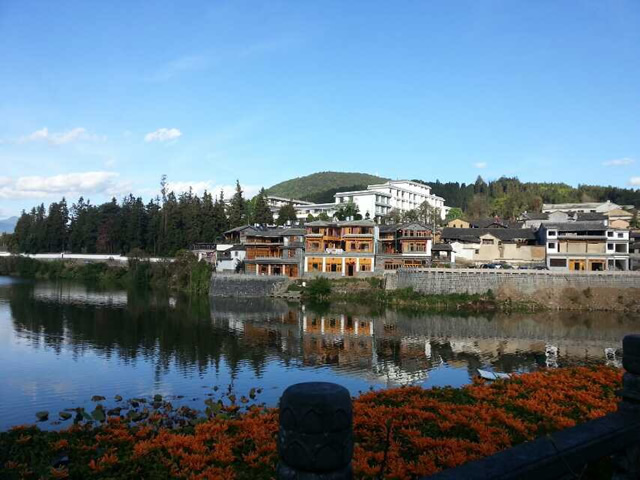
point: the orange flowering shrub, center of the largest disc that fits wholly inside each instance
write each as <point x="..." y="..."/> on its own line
<point x="410" y="431"/>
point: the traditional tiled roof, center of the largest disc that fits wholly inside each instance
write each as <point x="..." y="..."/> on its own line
<point x="344" y="223"/>
<point x="535" y="216"/>
<point x="589" y="216"/>
<point x="239" y="229"/>
<point x="441" y="247"/>
<point x="473" y="234"/>
<point x="576" y="226"/>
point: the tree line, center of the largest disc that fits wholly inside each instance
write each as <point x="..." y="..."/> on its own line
<point x="161" y="227"/>
<point x="508" y="197"/>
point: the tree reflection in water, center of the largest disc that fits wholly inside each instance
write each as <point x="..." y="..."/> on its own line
<point x="267" y="337"/>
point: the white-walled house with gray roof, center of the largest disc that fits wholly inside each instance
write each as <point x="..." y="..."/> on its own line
<point x="585" y="246"/>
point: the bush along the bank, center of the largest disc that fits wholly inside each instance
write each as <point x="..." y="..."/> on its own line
<point x="371" y="291"/>
<point x="399" y="433"/>
<point x="185" y="273"/>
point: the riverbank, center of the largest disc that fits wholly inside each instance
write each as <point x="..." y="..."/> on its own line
<point x="375" y="291"/>
<point x="184" y="274"/>
<point x="372" y="292"/>
<point x="429" y="430"/>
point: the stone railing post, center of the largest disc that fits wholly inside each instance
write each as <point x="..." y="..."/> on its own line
<point x="627" y="464"/>
<point x="315" y="440"/>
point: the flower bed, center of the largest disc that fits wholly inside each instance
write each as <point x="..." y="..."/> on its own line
<point x="407" y="431"/>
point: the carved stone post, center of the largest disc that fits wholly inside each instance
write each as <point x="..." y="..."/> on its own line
<point x="627" y="464"/>
<point x="315" y="441"/>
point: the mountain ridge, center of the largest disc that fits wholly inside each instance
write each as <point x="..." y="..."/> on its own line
<point x="320" y="186"/>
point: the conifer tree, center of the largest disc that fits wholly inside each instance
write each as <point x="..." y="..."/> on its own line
<point x="237" y="212"/>
<point x="262" y="213"/>
<point x="220" y="221"/>
<point x="287" y="214"/>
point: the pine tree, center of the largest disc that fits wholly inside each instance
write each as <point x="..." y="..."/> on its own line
<point x="262" y="214"/>
<point x="220" y="221"/>
<point x="287" y="214"/>
<point x="237" y="212"/>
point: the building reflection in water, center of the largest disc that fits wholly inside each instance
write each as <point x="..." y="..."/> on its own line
<point x="393" y="348"/>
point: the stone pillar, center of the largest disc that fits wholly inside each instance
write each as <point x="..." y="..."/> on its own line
<point x="627" y="464"/>
<point x="268" y="269"/>
<point x="343" y="267"/>
<point x="324" y="264"/>
<point x="315" y="439"/>
<point x="357" y="264"/>
<point x="306" y="264"/>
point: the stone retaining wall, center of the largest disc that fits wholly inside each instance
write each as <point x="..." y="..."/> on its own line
<point x="239" y="285"/>
<point x="442" y="281"/>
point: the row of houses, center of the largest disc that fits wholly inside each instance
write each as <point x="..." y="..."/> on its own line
<point x="561" y="241"/>
<point x="573" y="237"/>
<point x="338" y="248"/>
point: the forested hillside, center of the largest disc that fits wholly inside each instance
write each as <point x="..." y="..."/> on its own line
<point x="320" y="187"/>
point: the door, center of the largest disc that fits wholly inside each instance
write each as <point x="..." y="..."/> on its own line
<point x="350" y="269"/>
<point x="576" y="265"/>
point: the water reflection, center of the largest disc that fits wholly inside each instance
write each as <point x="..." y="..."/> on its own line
<point x="62" y="343"/>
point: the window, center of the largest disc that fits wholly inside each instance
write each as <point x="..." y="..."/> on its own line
<point x="620" y="235"/>
<point x="552" y="233"/>
<point x="477" y="251"/>
<point x="487" y="241"/>
<point x="558" y="262"/>
<point x="609" y="234"/>
<point x="353" y="245"/>
<point x="609" y="246"/>
<point x="551" y="245"/>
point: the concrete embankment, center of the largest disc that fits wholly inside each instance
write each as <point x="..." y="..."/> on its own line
<point x="567" y="290"/>
<point x="237" y="285"/>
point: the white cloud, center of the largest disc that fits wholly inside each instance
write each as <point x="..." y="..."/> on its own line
<point x="480" y="164"/>
<point x="163" y="135"/>
<point x="60" y="138"/>
<point x="200" y="186"/>
<point x="634" y="181"/>
<point x="81" y="183"/>
<point x="619" y="162"/>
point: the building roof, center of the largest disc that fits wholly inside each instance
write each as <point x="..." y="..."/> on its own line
<point x="345" y="223"/>
<point x="473" y="234"/>
<point x="580" y="206"/>
<point x="237" y="247"/>
<point x="292" y="200"/>
<point x="589" y="216"/>
<point x="618" y="212"/>
<point x="442" y="247"/>
<point x="576" y="226"/>
<point x="289" y="232"/>
<point x="238" y="229"/>
<point x="403" y="226"/>
<point x="535" y="216"/>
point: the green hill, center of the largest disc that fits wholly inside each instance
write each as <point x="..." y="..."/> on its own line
<point x="320" y="187"/>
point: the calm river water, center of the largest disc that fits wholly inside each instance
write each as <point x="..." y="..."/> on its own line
<point x="60" y="344"/>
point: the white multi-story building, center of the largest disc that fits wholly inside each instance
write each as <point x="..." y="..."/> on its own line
<point x="378" y="200"/>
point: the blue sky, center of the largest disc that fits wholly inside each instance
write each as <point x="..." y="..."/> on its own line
<point x="101" y="98"/>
